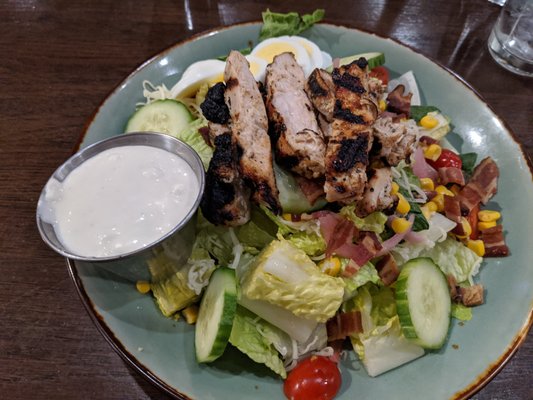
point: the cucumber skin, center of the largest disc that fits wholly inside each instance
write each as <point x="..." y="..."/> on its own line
<point x="133" y="119"/>
<point x="226" y="322"/>
<point x="402" y="304"/>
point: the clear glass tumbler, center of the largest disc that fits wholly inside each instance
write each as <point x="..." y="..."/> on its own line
<point x="511" y="39"/>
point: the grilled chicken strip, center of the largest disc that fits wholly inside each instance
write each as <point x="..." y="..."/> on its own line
<point x="351" y="138"/>
<point x="225" y="200"/>
<point x="397" y="139"/>
<point x="321" y="91"/>
<point x="299" y="141"/>
<point x="249" y="125"/>
<point x="377" y="195"/>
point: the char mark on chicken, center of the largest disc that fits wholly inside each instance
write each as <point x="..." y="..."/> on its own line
<point x="249" y="126"/>
<point x="354" y="112"/>
<point x="225" y="200"/>
<point x="299" y="141"/>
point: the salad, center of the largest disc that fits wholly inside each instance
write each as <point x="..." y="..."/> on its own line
<point x="371" y="247"/>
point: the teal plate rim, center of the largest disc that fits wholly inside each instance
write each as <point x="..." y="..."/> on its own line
<point x="477" y="384"/>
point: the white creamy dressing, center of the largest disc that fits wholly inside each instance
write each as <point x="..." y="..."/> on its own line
<point x="120" y="200"/>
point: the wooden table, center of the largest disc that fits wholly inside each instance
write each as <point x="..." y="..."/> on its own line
<point x="59" y="60"/>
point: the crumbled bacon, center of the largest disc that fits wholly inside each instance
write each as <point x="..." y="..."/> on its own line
<point x="427" y="140"/>
<point x="481" y="187"/>
<point x="471" y="295"/>
<point x="451" y="175"/>
<point x="367" y="248"/>
<point x="387" y="269"/>
<point x="343" y="325"/>
<point x="494" y="242"/>
<point x="399" y="103"/>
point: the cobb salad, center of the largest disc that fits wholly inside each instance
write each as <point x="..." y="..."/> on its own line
<point x="336" y="217"/>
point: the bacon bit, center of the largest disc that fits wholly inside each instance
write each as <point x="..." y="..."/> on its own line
<point x="387" y="269"/>
<point x="452" y="285"/>
<point x="204" y="132"/>
<point x="397" y="102"/>
<point x="296" y="217"/>
<point x="473" y="221"/>
<point x="481" y="187"/>
<point x="494" y="242"/>
<point x="364" y="251"/>
<point x="472" y="295"/>
<point x="343" y="325"/>
<point x="312" y="189"/>
<point x="427" y="140"/>
<point x="350" y="269"/>
<point x="451" y="175"/>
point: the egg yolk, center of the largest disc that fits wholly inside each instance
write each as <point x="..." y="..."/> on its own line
<point x="268" y="53"/>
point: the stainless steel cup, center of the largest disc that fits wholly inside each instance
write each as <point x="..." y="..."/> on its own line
<point x="176" y="244"/>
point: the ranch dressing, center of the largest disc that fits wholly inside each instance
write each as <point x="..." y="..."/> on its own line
<point x="120" y="200"/>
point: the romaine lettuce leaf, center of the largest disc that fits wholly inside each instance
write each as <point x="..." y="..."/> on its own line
<point x="285" y="276"/>
<point x="461" y="312"/>
<point x="374" y="222"/>
<point x="311" y="243"/>
<point x="193" y="138"/>
<point x="257" y="338"/>
<point x="367" y="273"/>
<point x="278" y="24"/>
<point x="381" y="346"/>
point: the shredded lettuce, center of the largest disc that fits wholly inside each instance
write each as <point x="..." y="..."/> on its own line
<point x="285" y="276"/>
<point x="278" y="24"/>
<point x="255" y="337"/>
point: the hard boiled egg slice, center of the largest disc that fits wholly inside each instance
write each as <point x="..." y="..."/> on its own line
<point x="257" y="67"/>
<point x="314" y="52"/>
<point x="327" y="60"/>
<point x="270" y="48"/>
<point x="198" y="73"/>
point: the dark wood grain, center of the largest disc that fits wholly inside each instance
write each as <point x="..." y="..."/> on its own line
<point x="59" y="60"/>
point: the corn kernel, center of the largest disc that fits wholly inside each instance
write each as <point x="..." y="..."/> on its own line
<point x="488" y="215"/>
<point x="433" y="152"/>
<point x="467" y="228"/>
<point x="287" y="217"/>
<point x="486" y="225"/>
<point x="382" y="105"/>
<point x="191" y="314"/>
<point x="330" y="266"/>
<point x="432" y="206"/>
<point x="403" y="206"/>
<point x="395" y="188"/>
<point x="444" y="190"/>
<point x="429" y="122"/>
<point x="427" y="184"/>
<point x="400" y="225"/>
<point x="143" y="287"/>
<point x="477" y="246"/>
<point x="439" y="201"/>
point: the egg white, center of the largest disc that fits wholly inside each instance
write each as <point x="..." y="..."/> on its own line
<point x="270" y="48"/>
<point x="198" y="73"/>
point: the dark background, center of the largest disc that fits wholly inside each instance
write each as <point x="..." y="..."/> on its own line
<point x="58" y="62"/>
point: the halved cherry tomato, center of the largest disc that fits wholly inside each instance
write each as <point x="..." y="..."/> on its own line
<point x="315" y="378"/>
<point x="447" y="159"/>
<point x="380" y="72"/>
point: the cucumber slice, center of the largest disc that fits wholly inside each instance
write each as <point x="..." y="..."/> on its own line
<point x="291" y="197"/>
<point x="215" y="318"/>
<point x="163" y="116"/>
<point x="374" y="60"/>
<point x="423" y="303"/>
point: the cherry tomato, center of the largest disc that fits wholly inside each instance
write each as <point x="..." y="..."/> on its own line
<point x="315" y="378"/>
<point x="380" y="72"/>
<point x="447" y="159"/>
